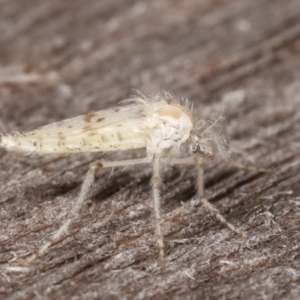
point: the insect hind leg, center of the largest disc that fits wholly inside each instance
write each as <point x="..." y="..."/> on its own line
<point x="84" y="192"/>
<point x="83" y="195"/>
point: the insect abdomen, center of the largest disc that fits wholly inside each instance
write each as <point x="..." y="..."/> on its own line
<point x="108" y="139"/>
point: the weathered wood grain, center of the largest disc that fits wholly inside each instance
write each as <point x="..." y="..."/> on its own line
<point x="59" y="59"/>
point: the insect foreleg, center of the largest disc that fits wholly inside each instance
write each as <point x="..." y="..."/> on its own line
<point x="200" y="191"/>
<point x="208" y="205"/>
<point x="225" y="155"/>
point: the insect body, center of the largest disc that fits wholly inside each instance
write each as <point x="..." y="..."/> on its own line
<point x="161" y="124"/>
<point x="159" y="127"/>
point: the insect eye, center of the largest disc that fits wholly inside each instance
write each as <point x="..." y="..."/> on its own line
<point x="195" y="147"/>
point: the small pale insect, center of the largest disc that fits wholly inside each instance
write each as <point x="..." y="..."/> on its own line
<point x="161" y="124"/>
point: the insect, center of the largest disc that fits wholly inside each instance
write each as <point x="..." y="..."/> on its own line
<point x="161" y="124"/>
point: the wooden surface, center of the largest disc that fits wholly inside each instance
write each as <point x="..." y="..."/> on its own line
<point x="60" y="59"/>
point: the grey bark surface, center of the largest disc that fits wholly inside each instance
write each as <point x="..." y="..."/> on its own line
<point x="60" y="59"/>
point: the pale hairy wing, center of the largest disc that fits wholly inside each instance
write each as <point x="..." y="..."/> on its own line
<point x="109" y="130"/>
<point x="91" y="121"/>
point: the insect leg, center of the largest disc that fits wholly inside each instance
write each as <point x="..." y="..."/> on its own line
<point x="200" y="191"/>
<point x="84" y="192"/>
<point x="230" y="162"/>
<point x="156" y="203"/>
<point x="209" y="206"/>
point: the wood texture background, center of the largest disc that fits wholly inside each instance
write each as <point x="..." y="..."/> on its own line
<point x="60" y="59"/>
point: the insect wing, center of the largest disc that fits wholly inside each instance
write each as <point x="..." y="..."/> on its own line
<point x="108" y="130"/>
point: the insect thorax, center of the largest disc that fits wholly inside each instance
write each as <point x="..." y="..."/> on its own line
<point x="168" y="128"/>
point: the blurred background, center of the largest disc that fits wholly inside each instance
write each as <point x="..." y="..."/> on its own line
<point x="64" y="58"/>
